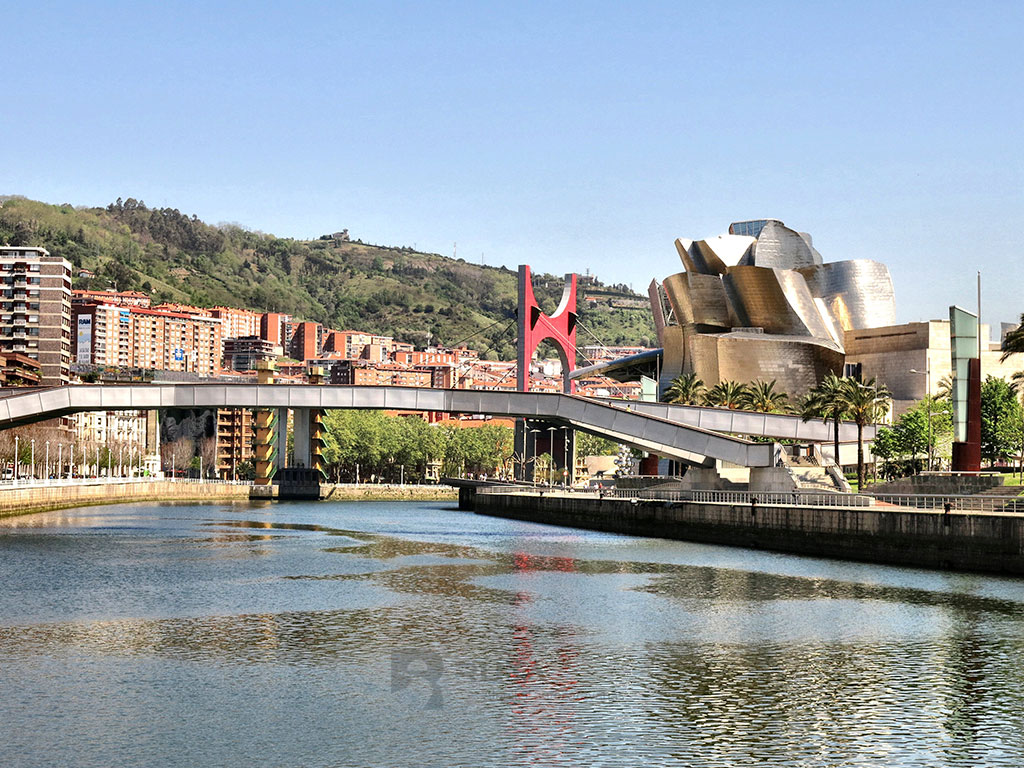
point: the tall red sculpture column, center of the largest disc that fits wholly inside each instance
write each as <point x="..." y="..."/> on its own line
<point x="535" y="327"/>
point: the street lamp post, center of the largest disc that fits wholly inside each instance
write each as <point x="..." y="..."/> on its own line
<point x="927" y="372"/>
<point x="566" y="470"/>
<point x="46" y="465"/>
<point x="533" y="466"/>
<point x="551" y="450"/>
<point x="120" y="461"/>
<point x="33" y="459"/>
<point x="17" y="460"/>
<point x="71" y="462"/>
<point x="60" y="459"/>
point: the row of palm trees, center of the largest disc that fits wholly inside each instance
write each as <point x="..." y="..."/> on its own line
<point x="835" y="398"/>
<point x="759" y="395"/>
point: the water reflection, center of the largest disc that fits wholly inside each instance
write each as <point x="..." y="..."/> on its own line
<point x="553" y="652"/>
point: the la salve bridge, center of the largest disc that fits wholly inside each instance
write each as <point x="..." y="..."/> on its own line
<point x="692" y="435"/>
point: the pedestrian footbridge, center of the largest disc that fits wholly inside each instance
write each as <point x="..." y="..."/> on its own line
<point x="621" y="421"/>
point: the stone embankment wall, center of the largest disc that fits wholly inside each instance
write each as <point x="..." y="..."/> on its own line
<point x="976" y="541"/>
<point x="373" y="492"/>
<point x="20" y="501"/>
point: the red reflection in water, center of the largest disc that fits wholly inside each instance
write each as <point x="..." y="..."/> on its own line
<point x="543" y="692"/>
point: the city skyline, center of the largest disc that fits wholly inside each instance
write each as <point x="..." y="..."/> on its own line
<point x="567" y="138"/>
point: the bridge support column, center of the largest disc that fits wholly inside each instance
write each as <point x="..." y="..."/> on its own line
<point x="300" y="437"/>
<point x="317" y="436"/>
<point x="266" y="425"/>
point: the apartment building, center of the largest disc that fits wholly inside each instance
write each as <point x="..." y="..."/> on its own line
<point x="117" y="298"/>
<point x="235" y="438"/>
<point x="356" y="345"/>
<point x="243" y="354"/>
<point x="365" y="373"/>
<point x="18" y="370"/>
<point x="273" y="327"/>
<point x="237" y="323"/>
<point x="147" y="338"/>
<point x="183" y="309"/>
<point x="305" y="340"/>
<point x="35" y="309"/>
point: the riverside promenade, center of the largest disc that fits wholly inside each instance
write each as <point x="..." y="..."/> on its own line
<point x="26" y="497"/>
<point x="983" y="535"/>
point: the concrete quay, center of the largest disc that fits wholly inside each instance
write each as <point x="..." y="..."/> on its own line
<point x="989" y="542"/>
<point x="42" y="497"/>
<point x="25" y="499"/>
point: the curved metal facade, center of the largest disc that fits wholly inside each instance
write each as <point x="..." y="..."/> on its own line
<point x="763" y="305"/>
<point x="858" y="293"/>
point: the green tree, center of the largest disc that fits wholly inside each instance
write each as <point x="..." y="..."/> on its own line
<point x="592" y="445"/>
<point x="726" y="394"/>
<point x="922" y="430"/>
<point x="865" y="403"/>
<point x="761" y="396"/>
<point x="1000" y="420"/>
<point x="685" y="390"/>
<point x="1013" y="342"/>
<point x="826" y="402"/>
<point x="886" y="446"/>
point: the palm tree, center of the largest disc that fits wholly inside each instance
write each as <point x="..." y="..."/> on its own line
<point x="825" y="402"/>
<point x="1013" y="342"/>
<point x="945" y="390"/>
<point x="761" y="396"/>
<point x="685" y="390"/>
<point x="865" y="403"/>
<point x="726" y="394"/>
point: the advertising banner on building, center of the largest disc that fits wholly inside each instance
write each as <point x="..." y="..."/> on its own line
<point x="84" y="348"/>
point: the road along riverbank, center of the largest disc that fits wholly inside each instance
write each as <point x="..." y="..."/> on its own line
<point x="989" y="542"/>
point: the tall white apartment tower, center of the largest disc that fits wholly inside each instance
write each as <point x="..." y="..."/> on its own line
<point x="35" y="309"/>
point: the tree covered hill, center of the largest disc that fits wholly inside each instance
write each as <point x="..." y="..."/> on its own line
<point x="416" y="297"/>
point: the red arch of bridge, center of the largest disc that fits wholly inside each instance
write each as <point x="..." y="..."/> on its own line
<point x="535" y="327"/>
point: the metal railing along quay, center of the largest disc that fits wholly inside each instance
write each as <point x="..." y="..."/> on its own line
<point x="923" y="502"/>
<point x="937" y="502"/>
<point x="64" y="482"/>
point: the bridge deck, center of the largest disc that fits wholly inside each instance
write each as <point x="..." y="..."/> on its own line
<point x="775" y="425"/>
<point x="691" y="444"/>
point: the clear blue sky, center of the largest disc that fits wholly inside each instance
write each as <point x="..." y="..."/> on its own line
<point x="566" y="135"/>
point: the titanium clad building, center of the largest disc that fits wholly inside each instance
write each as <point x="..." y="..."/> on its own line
<point x="760" y="303"/>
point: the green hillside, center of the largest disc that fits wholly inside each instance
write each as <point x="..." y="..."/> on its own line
<point x="416" y="297"/>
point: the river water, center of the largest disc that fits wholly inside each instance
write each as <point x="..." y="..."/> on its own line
<point x="384" y="634"/>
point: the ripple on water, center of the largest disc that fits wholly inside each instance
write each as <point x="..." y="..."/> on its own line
<point x="327" y="644"/>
